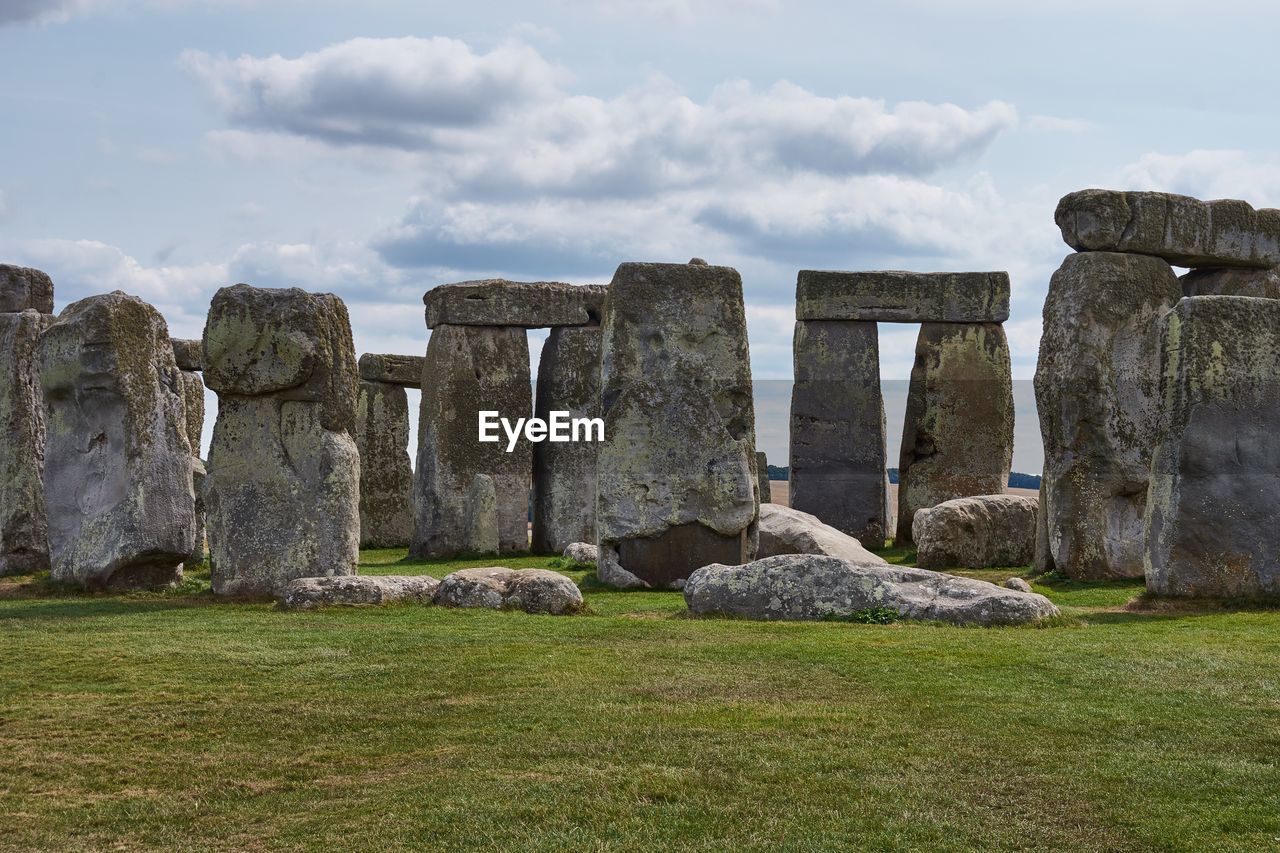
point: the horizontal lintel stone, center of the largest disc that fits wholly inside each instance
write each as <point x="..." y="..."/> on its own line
<point x="404" y="370"/>
<point x="189" y="354"/>
<point x="531" y="305"/>
<point x="896" y="296"/>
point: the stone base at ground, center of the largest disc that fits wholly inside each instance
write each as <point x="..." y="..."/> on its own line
<point x="976" y="533"/>
<point x="784" y="530"/>
<point x="497" y="588"/>
<point x="803" y="587"/>
<point x="312" y="593"/>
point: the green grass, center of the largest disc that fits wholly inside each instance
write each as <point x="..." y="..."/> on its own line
<point x="172" y="720"/>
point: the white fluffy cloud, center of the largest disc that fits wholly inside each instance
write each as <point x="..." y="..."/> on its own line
<point x="1209" y="174"/>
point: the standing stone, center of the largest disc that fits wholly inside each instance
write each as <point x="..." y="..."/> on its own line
<point x="386" y="475"/>
<point x="762" y="477"/>
<point x="564" y="473"/>
<point x="957" y="438"/>
<point x="1097" y="393"/>
<point x="24" y="534"/>
<point x="25" y="289"/>
<point x="676" y="469"/>
<point x="837" y="428"/>
<point x="480" y="518"/>
<point x="1231" y="282"/>
<point x="193" y="404"/>
<point x="1043" y="558"/>
<point x="469" y="369"/>
<point x="1215" y="474"/>
<point x="118" y="466"/>
<point x="283" y="489"/>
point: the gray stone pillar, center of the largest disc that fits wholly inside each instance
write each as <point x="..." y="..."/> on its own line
<point x="564" y="473"/>
<point x="676" y="470"/>
<point x="957" y="438"/>
<point x="283" y="490"/>
<point x="837" y="428"/>
<point x="1215" y="473"/>
<point x="469" y="369"/>
<point x="762" y="477"/>
<point x="193" y="406"/>
<point x="386" y="475"/>
<point x="118" y="465"/>
<point x="1097" y="394"/>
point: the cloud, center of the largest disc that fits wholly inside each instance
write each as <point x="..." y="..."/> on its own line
<point x="41" y="11"/>
<point x="1209" y="174"/>
<point x="684" y="11"/>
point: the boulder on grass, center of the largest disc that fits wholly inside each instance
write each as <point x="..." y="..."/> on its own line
<point x="784" y="530"/>
<point x="311" y="593"/>
<point x="976" y="533"/>
<point x="582" y="552"/>
<point x="805" y="587"/>
<point x="498" y="588"/>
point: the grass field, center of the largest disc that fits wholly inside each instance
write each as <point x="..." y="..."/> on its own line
<point x="176" y="721"/>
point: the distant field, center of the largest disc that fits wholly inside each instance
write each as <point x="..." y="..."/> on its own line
<point x="178" y="722"/>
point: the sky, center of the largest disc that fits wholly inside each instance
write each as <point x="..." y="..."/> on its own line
<point x="376" y="149"/>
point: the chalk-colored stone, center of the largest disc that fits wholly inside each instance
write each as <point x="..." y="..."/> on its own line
<point x="403" y="370"/>
<point x="530" y="305"/>
<point x="118" y="466"/>
<point x="1097" y="394"/>
<point x="25" y="289"/>
<point x="837" y="428"/>
<point x="1182" y="230"/>
<point x="784" y="530"/>
<point x="386" y="474"/>
<point x="676" y="470"/>
<point x="564" y="473"/>
<point x="497" y="588"/>
<point x="1215" y="474"/>
<point x="896" y="296"/>
<point x="282" y="496"/>
<point x="582" y="552"/>
<point x="354" y="590"/>
<point x="469" y="369"/>
<point x="980" y="532"/>
<point x="957" y="437"/>
<point x="24" y="546"/>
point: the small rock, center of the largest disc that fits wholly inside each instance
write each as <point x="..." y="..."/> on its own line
<point x="582" y="552"/>
<point x="498" y="588"/>
<point x="310" y="593"/>
<point x="1017" y="583"/>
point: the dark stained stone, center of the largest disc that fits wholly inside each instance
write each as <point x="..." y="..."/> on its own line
<point x="530" y="305"/>
<point x="896" y="296"/>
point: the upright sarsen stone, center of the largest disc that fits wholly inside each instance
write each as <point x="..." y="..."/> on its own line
<point x="24" y="534"/>
<point x="762" y="477"/>
<point x="386" y="475"/>
<point x="283" y="490"/>
<point x="1097" y="394"/>
<point x="25" y="289"/>
<point x="469" y="369"/>
<point x="118" y="465"/>
<point x="837" y="428"/>
<point x="1215" y="474"/>
<point x="564" y="473"/>
<point x="957" y="437"/>
<point x="676" y="469"/>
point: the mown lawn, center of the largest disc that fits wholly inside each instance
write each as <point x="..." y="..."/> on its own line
<point x="175" y="721"/>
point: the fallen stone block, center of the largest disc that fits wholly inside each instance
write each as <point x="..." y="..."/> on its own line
<point x="351" y="590"/>
<point x="496" y="588"/>
<point x="976" y="533"/>
<point x="529" y="305"/>
<point x="896" y="296"/>
<point x="806" y="587"/>
<point x="784" y="530"/>
<point x="1182" y="230"/>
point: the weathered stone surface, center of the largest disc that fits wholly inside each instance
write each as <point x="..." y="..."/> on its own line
<point x="530" y="590"/>
<point x="1017" y="583"/>
<point x="530" y="305"/>
<point x="480" y="517"/>
<point x="193" y="407"/>
<point x="386" y="475"/>
<point x="806" y="587"/>
<point x="469" y="369"/>
<point x="1097" y="394"/>
<point x="837" y="428"/>
<point x="564" y="473"/>
<point x="351" y="590"/>
<point x="784" y="530"/>
<point x="1180" y="229"/>
<point x="1215" y="474"/>
<point x="1043" y="557"/>
<point x="403" y="370"/>
<point x="282" y="496"/>
<point x="24" y="546"/>
<point x="118" y="466"/>
<point x="896" y="296"/>
<point x="957" y="437"/>
<point x="582" y="552"/>
<point x="24" y="289"/>
<point x="287" y="342"/>
<point x="189" y="354"/>
<point x="762" y="477"/>
<point x="976" y="533"/>
<point x="676" y="479"/>
<point x="1232" y="282"/>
